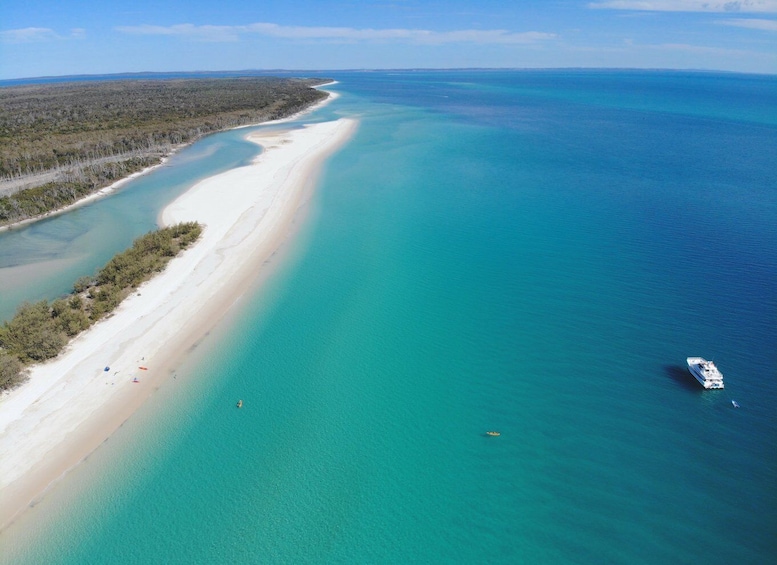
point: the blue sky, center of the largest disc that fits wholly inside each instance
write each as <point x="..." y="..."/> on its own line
<point x="63" y="37"/>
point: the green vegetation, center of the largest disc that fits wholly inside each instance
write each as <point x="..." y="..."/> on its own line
<point x="72" y="186"/>
<point x="11" y="371"/>
<point x="40" y="330"/>
<point x="60" y="142"/>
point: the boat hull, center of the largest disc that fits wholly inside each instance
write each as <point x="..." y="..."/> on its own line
<point x="705" y="372"/>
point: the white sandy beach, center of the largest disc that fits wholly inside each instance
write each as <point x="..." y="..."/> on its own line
<point x="72" y="404"/>
<point x="105" y="191"/>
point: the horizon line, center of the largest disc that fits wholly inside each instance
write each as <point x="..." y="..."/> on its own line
<point x="366" y="69"/>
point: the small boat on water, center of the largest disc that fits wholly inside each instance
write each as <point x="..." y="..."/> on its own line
<point x="239" y="403"/>
<point x="493" y="434"/>
<point x="705" y="372"/>
<point x="735" y="404"/>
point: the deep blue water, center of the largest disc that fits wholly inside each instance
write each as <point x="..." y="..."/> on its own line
<point x="534" y="252"/>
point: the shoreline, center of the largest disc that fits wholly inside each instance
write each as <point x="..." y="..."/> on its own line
<point x="107" y="190"/>
<point x="71" y="405"/>
<point x="99" y="193"/>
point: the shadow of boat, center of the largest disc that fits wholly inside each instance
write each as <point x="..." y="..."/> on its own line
<point x="683" y="378"/>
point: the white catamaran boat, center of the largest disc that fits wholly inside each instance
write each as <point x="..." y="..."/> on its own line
<point x="705" y="372"/>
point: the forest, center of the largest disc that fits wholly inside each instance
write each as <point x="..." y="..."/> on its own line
<point x="60" y="142"/>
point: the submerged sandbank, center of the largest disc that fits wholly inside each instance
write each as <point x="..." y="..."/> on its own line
<point x="72" y="404"/>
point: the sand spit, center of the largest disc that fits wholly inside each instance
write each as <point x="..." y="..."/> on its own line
<point x="73" y="403"/>
<point x="105" y="191"/>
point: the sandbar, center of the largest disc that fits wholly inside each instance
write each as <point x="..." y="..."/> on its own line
<point x="73" y="403"/>
<point x="105" y="191"/>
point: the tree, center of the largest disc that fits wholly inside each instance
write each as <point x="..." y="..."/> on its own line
<point x="32" y="335"/>
<point x="11" y="373"/>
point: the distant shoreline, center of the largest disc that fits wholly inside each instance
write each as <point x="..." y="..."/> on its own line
<point x="105" y="191"/>
<point x="100" y="193"/>
<point x="71" y="404"/>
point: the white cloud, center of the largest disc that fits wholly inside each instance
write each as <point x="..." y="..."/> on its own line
<point x="38" y="35"/>
<point x="200" y="33"/>
<point x="412" y="35"/>
<point x="759" y="6"/>
<point x="341" y="34"/>
<point x="28" y="35"/>
<point x="764" y="25"/>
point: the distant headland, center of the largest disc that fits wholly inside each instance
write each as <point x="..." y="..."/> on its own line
<point x="62" y="142"/>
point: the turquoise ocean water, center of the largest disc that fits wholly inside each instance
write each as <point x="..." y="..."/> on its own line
<point x="534" y="252"/>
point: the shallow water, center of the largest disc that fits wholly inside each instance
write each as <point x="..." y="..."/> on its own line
<point x="43" y="259"/>
<point x="529" y="252"/>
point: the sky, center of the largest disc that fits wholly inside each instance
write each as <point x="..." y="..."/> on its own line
<point x="67" y="37"/>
